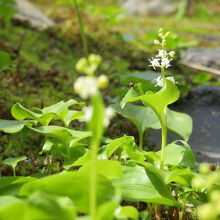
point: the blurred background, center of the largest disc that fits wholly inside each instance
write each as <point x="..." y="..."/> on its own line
<point x="40" y="43"/>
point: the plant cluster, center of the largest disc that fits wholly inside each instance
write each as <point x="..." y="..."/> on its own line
<point x="90" y="176"/>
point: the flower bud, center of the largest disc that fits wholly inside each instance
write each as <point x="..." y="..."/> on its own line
<point x="160" y="30"/>
<point x="90" y="70"/>
<point x="103" y="81"/>
<point x="167" y="33"/>
<point x="156" y="42"/>
<point x="204" y="168"/>
<point x="95" y="59"/>
<point x="81" y="65"/>
<point x="163" y="42"/>
<point x="160" y="34"/>
<point x="172" y="53"/>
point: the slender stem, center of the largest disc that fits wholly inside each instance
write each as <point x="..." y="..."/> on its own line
<point x="84" y="40"/>
<point x="164" y="138"/>
<point x="93" y="180"/>
<point x="141" y="140"/>
<point x="164" y="122"/>
<point x="14" y="173"/>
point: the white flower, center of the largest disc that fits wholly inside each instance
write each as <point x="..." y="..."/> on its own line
<point x="160" y="54"/>
<point x="88" y="111"/>
<point x="156" y="42"/>
<point x="86" y="86"/>
<point x="155" y="63"/>
<point x="165" y="62"/>
<point x="109" y="113"/>
<point x="159" y="80"/>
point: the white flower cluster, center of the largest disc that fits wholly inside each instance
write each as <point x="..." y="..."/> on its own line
<point x="163" y="58"/>
<point x="89" y="85"/>
<point x="159" y="80"/>
<point x="88" y="111"/>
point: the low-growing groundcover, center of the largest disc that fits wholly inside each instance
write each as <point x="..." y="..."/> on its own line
<point x="90" y="176"/>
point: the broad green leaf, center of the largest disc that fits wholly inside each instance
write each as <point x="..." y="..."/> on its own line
<point x="39" y="205"/>
<point x="127" y="212"/>
<point x="75" y="185"/>
<point x="12" y="185"/>
<point x="179" y="123"/>
<point x="13" y="161"/>
<point x="7" y="200"/>
<point x="70" y="116"/>
<point x="135" y="185"/>
<point x="147" y="79"/>
<point x="76" y="154"/>
<point x="67" y="136"/>
<point x="106" y="211"/>
<point x="5" y="60"/>
<point x="14" y="210"/>
<point x="108" y="168"/>
<point x="136" y="91"/>
<point x="158" y="101"/>
<point x="179" y="155"/>
<point x="12" y="126"/>
<point x="20" y="113"/>
<point x="144" y="117"/>
<point x="46" y="206"/>
<point x="45" y="115"/>
<point x="181" y="176"/>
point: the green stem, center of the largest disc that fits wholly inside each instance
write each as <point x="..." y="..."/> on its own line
<point x="164" y="123"/>
<point x="164" y="138"/>
<point x="13" y="169"/>
<point x="84" y="40"/>
<point x="93" y="180"/>
<point x="141" y="140"/>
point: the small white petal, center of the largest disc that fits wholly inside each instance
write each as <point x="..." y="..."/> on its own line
<point x="159" y="81"/>
<point x="155" y="63"/>
<point x="165" y="62"/>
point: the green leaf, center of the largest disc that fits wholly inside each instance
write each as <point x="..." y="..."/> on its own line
<point x="181" y="176"/>
<point x="40" y="205"/>
<point x="144" y="118"/>
<point x="127" y="212"/>
<point x="146" y="78"/>
<point x="75" y="185"/>
<point x="7" y="200"/>
<point x="12" y="126"/>
<point x="5" y="60"/>
<point x="13" y="161"/>
<point x="108" y="168"/>
<point x="135" y="185"/>
<point x="179" y="123"/>
<point x="12" y="185"/>
<point x="106" y="211"/>
<point x="65" y="135"/>
<point x="70" y="116"/>
<point x="136" y="91"/>
<point x="180" y="155"/>
<point x="158" y="101"/>
<point x="45" y="115"/>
